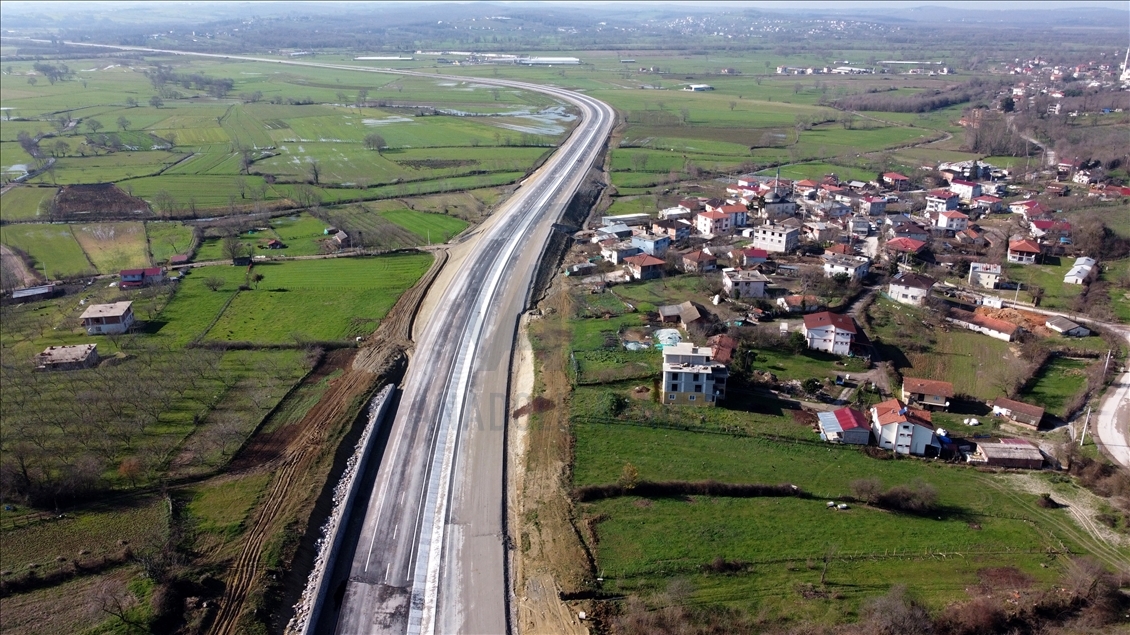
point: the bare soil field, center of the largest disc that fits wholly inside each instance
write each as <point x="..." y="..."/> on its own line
<point x="98" y="201"/>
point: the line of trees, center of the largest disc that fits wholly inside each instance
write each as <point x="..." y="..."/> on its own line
<point x="162" y="76"/>
<point x="925" y="101"/>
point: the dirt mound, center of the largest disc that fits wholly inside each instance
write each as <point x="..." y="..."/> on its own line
<point x="1027" y="320"/>
<point x="97" y="201"/>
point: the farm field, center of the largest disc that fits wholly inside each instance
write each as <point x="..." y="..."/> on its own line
<point x="167" y="240"/>
<point x="350" y="296"/>
<point x="24" y="203"/>
<point x="53" y="247"/>
<point x="114" y="246"/>
<point x="1060" y="380"/>
<point x="433" y="228"/>
<point x="220" y="507"/>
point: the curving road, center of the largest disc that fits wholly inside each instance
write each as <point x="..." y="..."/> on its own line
<point x="431" y="553"/>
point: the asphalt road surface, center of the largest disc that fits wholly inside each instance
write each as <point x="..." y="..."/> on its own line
<point x="430" y="554"/>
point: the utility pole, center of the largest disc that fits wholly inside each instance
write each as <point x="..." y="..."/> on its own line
<point x="1083" y="436"/>
<point x="1106" y="365"/>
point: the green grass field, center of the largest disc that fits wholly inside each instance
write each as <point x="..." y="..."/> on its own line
<point x="433" y="228"/>
<point x="349" y="296"/>
<point x="167" y="240"/>
<point x="221" y="508"/>
<point x="53" y="247"/>
<point x="1060" y="380"/>
<point x="24" y="203"/>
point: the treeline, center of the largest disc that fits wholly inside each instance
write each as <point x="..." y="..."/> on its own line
<point x="162" y="76"/>
<point x="52" y="72"/>
<point x="925" y="101"/>
<point x="590" y="493"/>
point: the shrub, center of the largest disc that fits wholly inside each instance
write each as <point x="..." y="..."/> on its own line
<point x="867" y="489"/>
<point x="917" y="498"/>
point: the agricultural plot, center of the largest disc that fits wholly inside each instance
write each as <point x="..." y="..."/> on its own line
<point x="105" y="168"/>
<point x="167" y="240"/>
<point x="194" y="306"/>
<point x="301" y="234"/>
<point x="25" y="203"/>
<point x="220" y="509"/>
<point x="1057" y="383"/>
<point x="114" y="246"/>
<point x="349" y="296"/>
<point x="1048" y="278"/>
<point x="244" y="129"/>
<point x="206" y="191"/>
<point x="53" y="247"/>
<point x="433" y="228"/>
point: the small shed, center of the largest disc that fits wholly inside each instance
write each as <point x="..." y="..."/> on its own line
<point x="1009" y="453"/>
<point x="670" y="313"/>
<point x="1018" y="412"/>
<point x="845" y="425"/>
<point x="67" y="357"/>
<point x="1066" y="327"/>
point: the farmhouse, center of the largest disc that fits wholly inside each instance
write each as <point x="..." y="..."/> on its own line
<point x="830" y="332"/>
<point x="952" y="221"/>
<point x="927" y="392"/>
<point x="1018" y="412"/>
<point x="903" y="429"/>
<point x="743" y="284"/>
<point x="67" y="357"/>
<point x="994" y="328"/>
<point x="645" y="267"/>
<point x="845" y="425"/>
<point x="896" y="181"/>
<point x="135" y="278"/>
<point x="1016" y="453"/>
<point x="1024" y="252"/>
<point x="910" y="288"/>
<point x="108" y="319"/>
<point x="800" y="303"/>
<point x="1066" y="327"/>
<point x="984" y="275"/>
<point x="904" y="246"/>
<point x="753" y="256"/>
<point x="699" y="261"/>
<point x="672" y="229"/>
<point x="691" y="376"/>
<point x="617" y="252"/>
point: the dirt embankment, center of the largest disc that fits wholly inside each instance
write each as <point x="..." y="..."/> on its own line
<point x="300" y="462"/>
<point x="1028" y="320"/>
<point x="550" y="557"/>
<point x="16" y="271"/>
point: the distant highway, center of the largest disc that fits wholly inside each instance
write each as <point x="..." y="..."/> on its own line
<point x="431" y="552"/>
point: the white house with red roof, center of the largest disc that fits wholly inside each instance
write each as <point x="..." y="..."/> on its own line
<point x="903" y="429"/>
<point x="845" y="425"/>
<point x="753" y="256"/>
<point x="1024" y="252"/>
<point x="966" y="190"/>
<point x="896" y="181"/>
<point x="739" y="214"/>
<point x="713" y="223"/>
<point x="953" y="221"/>
<point x="987" y="203"/>
<point x="645" y="267"/>
<point x="830" y="332"/>
<point x="941" y="201"/>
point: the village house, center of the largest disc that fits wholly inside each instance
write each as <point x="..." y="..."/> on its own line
<point x="965" y="190"/>
<point x="722" y="348"/>
<point x="914" y="231"/>
<point x="910" y="288"/>
<point x="898" y="246"/>
<point x="1052" y="230"/>
<point x="752" y="256"/>
<point x="617" y="252"/>
<point x="903" y="429"/>
<point x="971" y="235"/>
<point x="873" y="205"/>
<point x="691" y="376"/>
<point x="819" y="232"/>
<point x="800" y="303"/>
<point x="776" y="238"/>
<point x="691" y="315"/>
<point x="713" y="223"/>
<point x="951" y="221"/>
<point x="927" y="393"/>
<point x="994" y="328"/>
<point x="341" y="239"/>
<point x="858" y="226"/>
<point x="1024" y="252"/>
<point x="1014" y="453"/>
<point x="1066" y="327"/>
<point x="1018" y="412"/>
<point x="135" y="278"/>
<point x="672" y="229"/>
<point x="651" y="244"/>
<point x="773" y="207"/>
<point x="941" y="201"/>
<point x="743" y="284"/>
<point x="896" y="181"/>
<point x="676" y="213"/>
<point x="988" y="204"/>
<point x="845" y="425"/>
<point x="631" y="220"/>
<point x="739" y="214"/>
<point x="802" y="188"/>
<point x="855" y="267"/>
<point x="618" y="231"/>
<point x="699" y="261"/>
<point x="108" y="319"/>
<point x="72" y="357"/>
<point x="645" y="266"/>
<point x="829" y="332"/>
<point x="985" y="275"/>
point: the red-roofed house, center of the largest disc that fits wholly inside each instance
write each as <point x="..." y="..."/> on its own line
<point x="1058" y="228"/>
<point x="713" y="223"/>
<point x="952" y="221"/>
<point x="896" y="181"/>
<point x="699" y="261"/>
<point x="739" y="214"/>
<point x="872" y="205"/>
<point x="988" y="203"/>
<point x="845" y="425"/>
<point x="645" y="267"/>
<point x="804" y="187"/>
<point x="722" y="348"/>
<point x="753" y="256"/>
<point x="905" y="245"/>
<point x="941" y="201"/>
<point x="903" y="429"/>
<point x="134" y="278"/>
<point x="1024" y="251"/>
<point x="966" y="190"/>
<point x="830" y="332"/>
<point x="994" y="328"/>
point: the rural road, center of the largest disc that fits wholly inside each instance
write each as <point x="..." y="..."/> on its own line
<point x="431" y="553"/>
<point x="1112" y="427"/>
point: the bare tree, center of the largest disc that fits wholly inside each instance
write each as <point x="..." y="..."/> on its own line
<point x="123" y="124"/>
<point x="315" y="170"/>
